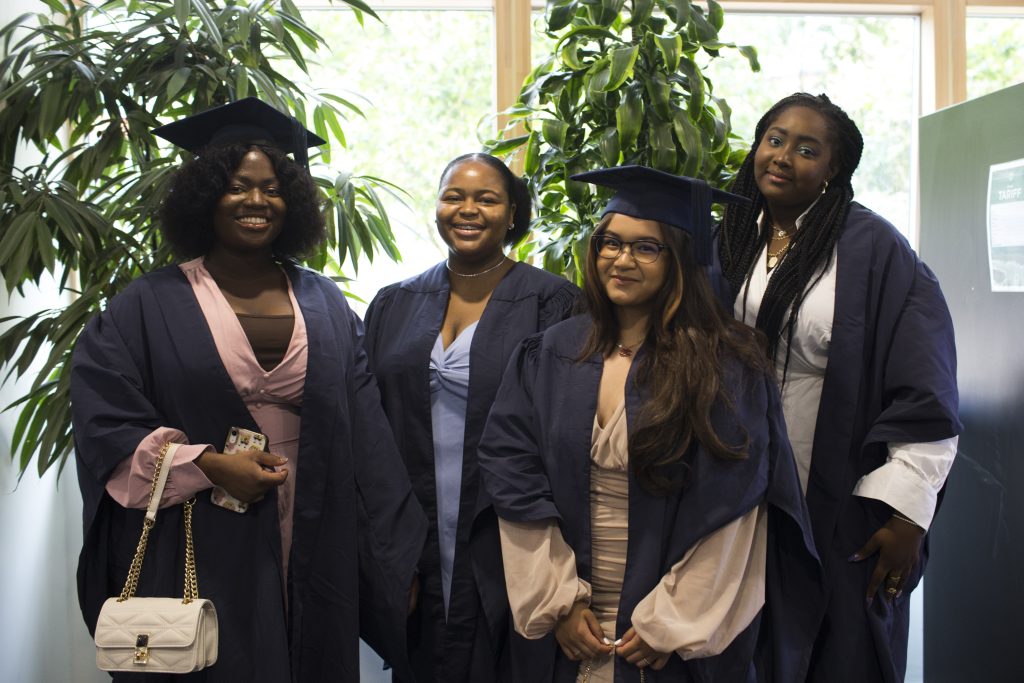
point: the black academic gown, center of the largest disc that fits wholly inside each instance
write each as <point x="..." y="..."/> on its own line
<point x="891" y="377"/>
<point x="148" y="361"/>
<point x="403" y="321"/>
<point x="535" y="464"/>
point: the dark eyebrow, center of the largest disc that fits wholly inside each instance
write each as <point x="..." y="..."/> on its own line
<point x="801" y="138"/>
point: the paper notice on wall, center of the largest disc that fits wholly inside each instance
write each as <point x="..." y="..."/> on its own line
<point x="1006" y="226"/>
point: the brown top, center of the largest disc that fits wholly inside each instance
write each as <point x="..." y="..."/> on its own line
<point x="268" y="335"/>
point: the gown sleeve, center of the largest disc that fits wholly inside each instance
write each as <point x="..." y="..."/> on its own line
<point x="560" y="305"/>
<point x="712" y="594"/>
<point x="132" y="479"/>
<point x="392" y="525"/>
<point x="113" y="414"/>
<point x="509" y="452"/>
<point x="540" y="575"/>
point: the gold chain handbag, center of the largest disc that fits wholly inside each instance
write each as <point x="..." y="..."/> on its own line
<point x="158" y="635"/>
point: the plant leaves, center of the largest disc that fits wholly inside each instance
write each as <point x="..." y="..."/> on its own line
<point x="622" y="61"/>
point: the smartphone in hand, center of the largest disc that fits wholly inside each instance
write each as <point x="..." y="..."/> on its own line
<point x="239" y="441"/>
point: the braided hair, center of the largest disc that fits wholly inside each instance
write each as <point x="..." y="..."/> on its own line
<point x="741" y="238"/>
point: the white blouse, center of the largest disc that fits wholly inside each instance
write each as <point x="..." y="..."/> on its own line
<point x="913" y="474"/>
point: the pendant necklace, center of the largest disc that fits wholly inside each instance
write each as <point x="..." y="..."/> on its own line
<point x="627" y="351"/>
<point x="773" y="259"/>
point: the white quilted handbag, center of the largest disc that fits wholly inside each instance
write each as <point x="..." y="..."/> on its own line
<point x="158" y="635"/>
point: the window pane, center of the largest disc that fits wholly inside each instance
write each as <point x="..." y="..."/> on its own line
<point x="995" y="59"/>
<point x="425" y="81"/>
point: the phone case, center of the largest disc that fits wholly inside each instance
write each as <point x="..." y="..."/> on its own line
<point x="239" y="441"/>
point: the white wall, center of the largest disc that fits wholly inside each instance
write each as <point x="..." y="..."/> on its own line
<point x="44" y="637"/>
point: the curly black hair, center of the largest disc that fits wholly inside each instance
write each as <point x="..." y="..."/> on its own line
<point x="515" y="186"/>
<point x="186" y="214"/>
<point x="741" y="239"/>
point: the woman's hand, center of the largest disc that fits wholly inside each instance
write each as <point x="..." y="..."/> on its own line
<point x="640" y="654"/>
<point x="580" y="635"/>
<point x="246" y="476"/>
<point x="898" y="545"/>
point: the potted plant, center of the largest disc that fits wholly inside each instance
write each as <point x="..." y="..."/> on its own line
<point x="84" y="83"/>
<point x="624" y="84"/>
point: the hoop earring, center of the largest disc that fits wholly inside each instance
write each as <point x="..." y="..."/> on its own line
<point x="824" y="188"/>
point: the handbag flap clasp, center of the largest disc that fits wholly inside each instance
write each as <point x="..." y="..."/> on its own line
<point x="141" y="649"/>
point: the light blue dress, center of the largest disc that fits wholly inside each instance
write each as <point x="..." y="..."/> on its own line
<point x="449" y="391"/>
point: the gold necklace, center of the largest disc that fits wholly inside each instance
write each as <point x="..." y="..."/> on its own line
<point x="773" y="259"/>
<point x="482" y="272"/>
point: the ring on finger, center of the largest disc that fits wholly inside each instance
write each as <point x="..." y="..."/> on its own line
<point x="894" y="578"/>
<point x="891" y="592"/>
<point x="643" y="662"/>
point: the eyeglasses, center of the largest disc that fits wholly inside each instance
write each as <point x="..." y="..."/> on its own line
<point x="642" y="251"/>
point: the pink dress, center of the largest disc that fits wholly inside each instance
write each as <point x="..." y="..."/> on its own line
<point x="273" y="397"/>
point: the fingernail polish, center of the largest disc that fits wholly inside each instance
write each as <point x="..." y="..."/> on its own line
<point x="618" y="642"/>
<point x="606" y="641"/>
<point x="853" y="558"/>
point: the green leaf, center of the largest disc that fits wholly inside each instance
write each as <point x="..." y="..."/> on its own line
<point x="209" y="23"/>
<point x="608" y="145"/>
<point x="641" y="12"/>
<point x="659" y="93"/>
<point x="532" y="159"/>
<point x="604" y="12"/>
<point x="622" y="61"/>
<point x="560" y="14"/>
<point x="678" y="11"/>
<point x="663" y="147"/>
<point x="671" y="48"/>
<point x="177" y="81"/>
<point x="555" y="132"/>
<point x="629" y="117"/>
<point x="715" y="15"/>
<point x="750" y="52"/>
<point x="689" y="139"/>
<point x="182" y="10"/>
<point x="695" y="85"/>
<point x="503" y="147"/>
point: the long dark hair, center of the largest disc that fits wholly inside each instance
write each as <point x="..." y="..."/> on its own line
<point x="741" y="239"/>
<point x="690" y="336"/>
<point x="516" y="188"/>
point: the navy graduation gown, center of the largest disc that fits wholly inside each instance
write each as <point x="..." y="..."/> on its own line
<point x="891" y="377"/>
<point x="150" y="360"/>
<point x="535" y="464"/>
<point x="403" y="321"/>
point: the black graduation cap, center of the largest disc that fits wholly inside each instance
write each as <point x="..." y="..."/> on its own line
<point x="250" y="120"/>
<point x="653" y="195"/>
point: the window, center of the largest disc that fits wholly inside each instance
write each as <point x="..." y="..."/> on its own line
<point x="995" y="59"/>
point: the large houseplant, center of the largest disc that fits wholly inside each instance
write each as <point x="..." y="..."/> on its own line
<point x="84" y="83"/>
<point x="623" y="85"/>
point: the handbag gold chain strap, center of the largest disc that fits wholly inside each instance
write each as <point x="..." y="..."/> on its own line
<point x="191" y="590"/>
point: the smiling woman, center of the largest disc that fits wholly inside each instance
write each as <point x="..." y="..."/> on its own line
<point x="438" y="343"/>
<point x="239" y="337"/>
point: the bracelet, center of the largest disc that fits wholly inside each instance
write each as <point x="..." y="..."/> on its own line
<point x="903" y="518"/>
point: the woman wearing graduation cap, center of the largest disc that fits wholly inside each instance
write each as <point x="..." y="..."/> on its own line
<point x="438" y="344"/>
<point x="863" y="343"/>
<point x="637" y="461"/>
<point x="239" y="336"/>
